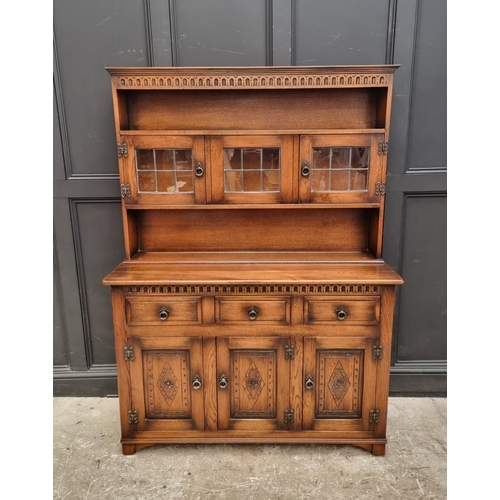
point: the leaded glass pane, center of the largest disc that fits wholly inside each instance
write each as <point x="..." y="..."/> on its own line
<point x="251" y="170"/>
<point x="164" y="171"/>
<point x="340" y="169"/>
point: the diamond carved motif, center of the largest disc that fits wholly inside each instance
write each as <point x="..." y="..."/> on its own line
<point x="338" y="383"/>
<point x="253" y="383"/>
<point x="168" y="383"/>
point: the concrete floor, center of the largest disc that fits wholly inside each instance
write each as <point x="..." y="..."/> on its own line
<point x="88" y="463"/>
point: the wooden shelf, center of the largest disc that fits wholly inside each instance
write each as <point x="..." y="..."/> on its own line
<point x="300" y="258"/>
<point x="251" y="206"/>
<point x="210" y="272"/>
<point x="253" y="132"/>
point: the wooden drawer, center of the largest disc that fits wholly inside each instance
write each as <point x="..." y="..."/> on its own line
<point x="167" y="311"/>
<point x="322" y="310"/>
<point x="260" y="310"/>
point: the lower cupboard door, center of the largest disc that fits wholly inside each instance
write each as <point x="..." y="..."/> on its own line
<point x="167" y="385"/>
<point x="339" y="384"/>
<point x="253" y="380"/>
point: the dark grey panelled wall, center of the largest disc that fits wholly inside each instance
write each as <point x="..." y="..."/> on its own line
<point x="88" y="240"/>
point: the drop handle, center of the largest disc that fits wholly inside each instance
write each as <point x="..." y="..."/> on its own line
<point x="199" y="170"/>
<point x="305" y="170"/>
<point x="196" y="382"/>
<point x="309" y="382"/>
<point x="341" y="313"/>
<point x="253" y="312"/>
<point x="223" y="383"/>
<point x="163" y="313"/>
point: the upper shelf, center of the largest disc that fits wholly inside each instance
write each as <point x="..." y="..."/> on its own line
<point x="216" y="132"/>
<point x="321" y="98"/>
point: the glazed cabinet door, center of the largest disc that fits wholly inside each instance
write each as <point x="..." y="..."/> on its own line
<point x="253" y="377"/>
<point x="253" y="169"/>
<point x="340" y="168"/>
<point x="164" y="170"/>
<point x="167" y="384"/>
<point x="339" y="384"/>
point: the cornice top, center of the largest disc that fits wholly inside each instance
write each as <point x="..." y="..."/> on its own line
<point x="263" y="77"/>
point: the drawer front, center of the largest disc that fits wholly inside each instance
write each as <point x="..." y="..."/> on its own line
<point x="259" y="310"/>
<point x="319" y="310"/>
<point x="168" y="311"/>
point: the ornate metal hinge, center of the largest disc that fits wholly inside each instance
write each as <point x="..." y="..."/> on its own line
<point x="128" y="353"/>
<point x="122" y="150"/>
<point x="133" y="417"/>
<point x="288" y="416"/>
<point x="290" y="352"/>
<point x="374" y="416"/>
<point x="379" y="188"/>
<point x="377" y="352"/>
<point x="125" y="190"/>
<point x="383" y="147"/>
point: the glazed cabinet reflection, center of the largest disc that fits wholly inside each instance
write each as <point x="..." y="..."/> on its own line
<point x="340" y="168"/>
<point x="163" y="170"/>
<point x="256" y="169"/>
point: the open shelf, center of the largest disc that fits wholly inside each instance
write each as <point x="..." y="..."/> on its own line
<point x="212" y="131"/>
<point x="305" y="258"/>
<point x="240" y="206"/>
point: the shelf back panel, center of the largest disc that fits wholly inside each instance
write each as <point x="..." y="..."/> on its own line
<point x="247" y="230"/>
<point x="253" y="109"/>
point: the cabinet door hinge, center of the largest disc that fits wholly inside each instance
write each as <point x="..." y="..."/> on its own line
<point x="379" y="188"/>
<point x="125" y="190"/>
<point x="383" y="147"/>
<point x="290" y="352"/>
<point x="122" y="150"/>
<point x="128" y="353"/>
<point x="288" y="416"/>
<point x="377" y="352"/>
<point x="133" y="417"/>
<point x="374" y="416"/>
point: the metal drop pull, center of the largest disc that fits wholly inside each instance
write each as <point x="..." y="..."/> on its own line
<point x="196" y="382"/>
<point x="199" y="170"/>
<point x="306" y="170"/>
<point x="341" y="313"/>
<point x="163" y="313"/>
<point x="253" y="312"/>
<point x="309" y="382"/>
<point x="223" y="383"/>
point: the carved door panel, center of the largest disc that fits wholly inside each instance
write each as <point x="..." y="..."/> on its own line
<point x="167" y="384"/>
<point x="339" y="383"/>
<point x="164" y="170"/>
<point x="253" y="383"/>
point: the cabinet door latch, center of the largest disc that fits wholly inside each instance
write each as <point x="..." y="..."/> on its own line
<point x="122" y="150"/>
